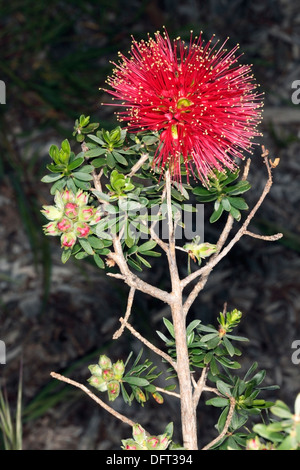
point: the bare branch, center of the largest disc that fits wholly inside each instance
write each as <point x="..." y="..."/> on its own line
<point x="215" y="260"/>
<point x="118" y="333"/>
<point x="168" y="392"/>
<point x="138" y="164"/>
<point x="148" y="344"/>
<point x="116" y="414"/>
<point x="200" y="387"/>
<point x="268" y="238"/>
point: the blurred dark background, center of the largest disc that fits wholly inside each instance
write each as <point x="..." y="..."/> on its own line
<point x="54" y="56"/>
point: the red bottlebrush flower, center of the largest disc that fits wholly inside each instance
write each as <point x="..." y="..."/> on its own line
<point x="203" y="104"/>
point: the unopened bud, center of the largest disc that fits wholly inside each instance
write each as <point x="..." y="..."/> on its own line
<point x="158" y="397"/>
<point x="81" y="198"/>
<point x="52" y="212"/>
<point x="139" y="433"/>
<point x="82" y="229"/>
<point x="139" y="395"/>
<point x="65" y="225"/>
<point x="71" y="210"/>
<point x="113" y="389"/>
<point x="51" y="229"/>
<point x="118" y="368"/>
<point x="152" y="442"/>
<point x="105" y="362"/>
<point x="68" y="240"/>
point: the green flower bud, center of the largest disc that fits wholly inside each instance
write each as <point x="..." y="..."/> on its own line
<point x="95" y="369"/>
<point x="52" y="212"/>
<point x="130" y="444"/>
<point x="98" y="382"/>
<point x="113" y="389"/>
<point x="139" y="434"/>
<point x="67" y="196"/>
<point x="163" y="442"/>
<point x="152" y="442"/>
<point x="68" y="240"/>
<point x="158" y="398"/>
<point x="108" y="374"/>
<point x="85" y="213"/>
<point x="71" y="210"/>
<point x="139" y="395"/>
<point x="105" y="362"/>
<point x="65" y="225"/>
<point x="81" y="198"/>
<point x="51" y="229"/>
<point x="118" y="368"/>
<point x="82" y="229"/>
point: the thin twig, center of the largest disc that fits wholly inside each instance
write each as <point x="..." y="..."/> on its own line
<point x="148" y="344"/>
<point x="200" y="387"/>
<point x="115" y="413"/>
<point x="168" y="392"/>
<point x="138" y="164"/>
<point x="268" y="238"/>
<point x="118" y="333"/>
<point x="225" y="429"/>
<point x="213" y="262"/>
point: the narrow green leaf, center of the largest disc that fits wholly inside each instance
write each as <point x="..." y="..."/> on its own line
<point x="75" y="164"/>
<point x="51" y="178"/>
<point x="99" y="262"/>
<point x="86" y="246"/>
<point x="147" y="246"/>
<point x="219" y="402"/>
<point x="216" y="214"/>
<point x="138" y="381"/>
<point x="95" y="152"/>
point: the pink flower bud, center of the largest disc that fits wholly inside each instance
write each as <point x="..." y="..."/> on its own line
<point x="51" y="229"/>
<point x="65" y="225"/>
<point x="96" y="217"/>
<point x="71" y="210"/>
<point x="68" y="240"/>
<point x="67" y="196"/>
<point x="152" y="442"/>
<point x="82" y="230"/>
<point x="86" y="213"/>
<point x="51" y="212"/>
<point x="81" y="197"/>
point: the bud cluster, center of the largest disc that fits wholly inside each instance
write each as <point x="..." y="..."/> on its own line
<point x="142" y="441"/>
<point x="106" y="376"/>
<point x="71" y="217"/>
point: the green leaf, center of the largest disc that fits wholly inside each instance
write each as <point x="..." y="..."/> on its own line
<point x="51" y="178"/>
<point x="213" y="367"/>
<point x="98" y="162"/>
<point x="169" y="327"/>
<point x="226" y="204"/>
<point x="82" y="176"/>
<point x="147" y="246"/>
<point x="134" y="265"/>
<point x="238" y="203"/>
<point x="99" y="262"/>
<point x="219" y="402"/>
<point x="110" y="160"/>
<point x="216" y="214"/>
<point x="235" y="213"/>
<point x="66" y="255"/>
<point x="95" y="242"/>
<point x="95" y="152"/>
<point x="200" y="191"/>
<point x="138" y="381"/>
<point x="239" y="188"/>
<point x="86" y="246"/>
<point x="144" y="261"/>
<point x="75" y="163"/>
<point x="281" y="410"/>
<point x="120" y="159"/>
<point x="223" y="388"/>
<point x="228" y="346"/>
